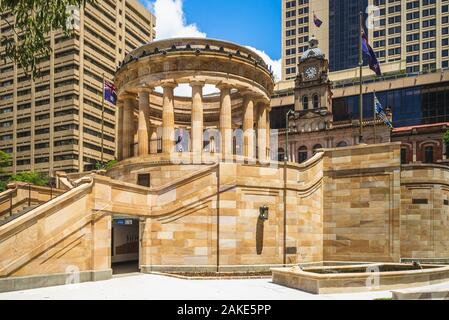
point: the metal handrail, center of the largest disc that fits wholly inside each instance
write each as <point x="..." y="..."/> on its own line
<point x="28" y="200"/>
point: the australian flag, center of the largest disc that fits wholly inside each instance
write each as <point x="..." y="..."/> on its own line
<point x="110" y="92"/>
<point x="380" y="113"/>
<point x="367" y="50"/>
<point x="317" y="21"/>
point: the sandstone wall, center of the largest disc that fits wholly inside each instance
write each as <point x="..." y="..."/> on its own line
<point x="362" y="203"/>
<point x="424" y="212"/>
<point x="349" y="204"/>
<point x="59" y="237"/>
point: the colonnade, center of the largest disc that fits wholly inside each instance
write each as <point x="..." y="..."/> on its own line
<point x="255" y="115"/>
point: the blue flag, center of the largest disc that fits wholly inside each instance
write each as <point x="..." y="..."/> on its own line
<point x="110" y="92"/>
<point x="380" y="113"/>
<point x="367" y="50"/>
<point x="317" y="21"/>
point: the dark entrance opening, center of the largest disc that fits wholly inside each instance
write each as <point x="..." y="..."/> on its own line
<point x="125" y="246"/>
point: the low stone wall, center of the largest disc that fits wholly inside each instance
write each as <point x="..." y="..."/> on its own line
<point x="330" y="283"/>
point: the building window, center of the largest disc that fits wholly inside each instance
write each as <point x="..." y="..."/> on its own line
<point x="305" y="103"/>
<point x="281" y="154"/>
<point x="316" y="147"/>
<point x="428" y="154"/>
<point x="144" y="180"/>
<point x="404" y="156"/>
<point x="316" y="102"/>
<point x="302" y="154"/>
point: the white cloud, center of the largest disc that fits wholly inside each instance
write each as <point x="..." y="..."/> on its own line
<point x="171" y="21"/>
<point x="276" y="65"/>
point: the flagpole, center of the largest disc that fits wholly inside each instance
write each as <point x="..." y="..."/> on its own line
<point x="375" y="116"/>
<point x="102" y="124"/>
<point x="361" y="78"/>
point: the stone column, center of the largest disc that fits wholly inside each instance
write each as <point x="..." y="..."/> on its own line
<point x="119" y="130"/>
<point x="415" y="151"/>
<point x="226" y="121"/>
<point x="144" y="121"/>
<point x="197" y="118"/>
<point x="168" y="118"/>
<point x="153" y="140"/>
<point x="248" y="125"/>
<point x="262" y="132"/>
<point x="268" y="140"/>
<point x="128" y="126"/>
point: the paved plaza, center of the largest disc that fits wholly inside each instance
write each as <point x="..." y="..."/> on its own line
<point x="153" y="287"/>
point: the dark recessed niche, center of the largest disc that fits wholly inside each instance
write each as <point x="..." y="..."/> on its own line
<point x="420" y="201"/>
<point x="446" y="202"/>
<point x="291" y="250"/>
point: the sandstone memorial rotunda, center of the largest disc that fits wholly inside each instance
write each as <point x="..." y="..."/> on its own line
<point x="198" y="187"/>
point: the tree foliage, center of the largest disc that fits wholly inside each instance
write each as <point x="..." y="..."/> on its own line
<point x="3" y="185"/>
<point x="34" y="20"/>
<point x="446" y="137"/>
<point x="34" y="178"/>
<point x="107" y="166"/>
<point x="5" y="160"/>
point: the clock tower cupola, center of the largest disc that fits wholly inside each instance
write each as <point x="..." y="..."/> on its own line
<point x="312" y="85"/>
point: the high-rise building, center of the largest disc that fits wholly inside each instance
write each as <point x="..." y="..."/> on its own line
<point x="416" y="33"/>
<point x="54" y="122"/>
<point x="344" y="30"/>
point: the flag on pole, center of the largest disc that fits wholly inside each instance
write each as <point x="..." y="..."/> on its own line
<point x="368" y="50"/>
<point x="110" y="92"/>
<point x="380" y="113"/>
<point x="317" y="21"/>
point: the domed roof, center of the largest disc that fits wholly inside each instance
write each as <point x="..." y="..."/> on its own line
<point x="313" y="51"/>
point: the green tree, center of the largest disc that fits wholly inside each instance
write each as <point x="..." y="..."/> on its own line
<point x="109" y="165"/>
<point x="5" y="160"/>
<point x="446" y="141"/>
<point x="34" y="20"/>
<point x="34" y="178"/>
<point x="446" y="137"/>
<point x="3" y="185"/>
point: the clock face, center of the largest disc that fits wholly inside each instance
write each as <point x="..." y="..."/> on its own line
<point x="310" y="73"/>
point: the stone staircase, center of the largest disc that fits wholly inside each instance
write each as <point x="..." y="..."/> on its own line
<point x="16" y="214"/>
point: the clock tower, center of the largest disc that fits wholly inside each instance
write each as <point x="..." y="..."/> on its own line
<point x="312" y="86"/>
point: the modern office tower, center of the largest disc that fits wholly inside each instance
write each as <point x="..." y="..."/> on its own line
<point x="344" y="30"/>
<point x="54" y="122"/>
<point x="416" y="33"/>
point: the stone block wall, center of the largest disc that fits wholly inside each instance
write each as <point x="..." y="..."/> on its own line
<point x="348" y="204"/>
<point x="424" y="212"/>
<point x="361" y="203"/>
<point x="57" y="238"/>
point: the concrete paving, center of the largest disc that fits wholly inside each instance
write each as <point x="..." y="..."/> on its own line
<point x="154" y="287"/>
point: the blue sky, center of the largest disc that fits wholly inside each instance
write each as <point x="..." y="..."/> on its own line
<point x="256" y="23"/>
<point x="252" y="23"/>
